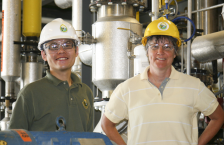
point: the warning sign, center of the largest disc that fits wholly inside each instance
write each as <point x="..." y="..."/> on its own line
<point x="25" y="137"/>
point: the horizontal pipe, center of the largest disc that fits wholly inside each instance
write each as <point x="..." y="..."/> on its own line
<point x="204" y="9"/>
<point x="45" y="20"/>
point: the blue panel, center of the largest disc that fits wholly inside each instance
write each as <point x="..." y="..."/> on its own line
<point x="65" y="137"/>
<point x="12" y="137"/>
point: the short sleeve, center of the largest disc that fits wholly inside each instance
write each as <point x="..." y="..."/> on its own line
<point x="206" y="101"/>
<point x="116" y="109"/>
<point x="22" y="114"/>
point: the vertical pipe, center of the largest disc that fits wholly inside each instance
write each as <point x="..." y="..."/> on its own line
<point x="189" y="35"/>
<point x="77" y="24"/>
<point x="11" y="30"/>
<point x="198" y="16"/>
<point x="77" y="16"/>
<point x="182" y="57"/>
<point x="155" y="10"/>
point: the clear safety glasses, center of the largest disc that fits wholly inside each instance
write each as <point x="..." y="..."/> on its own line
<point x="166" y="47"/>
<point x="54" y="47"/>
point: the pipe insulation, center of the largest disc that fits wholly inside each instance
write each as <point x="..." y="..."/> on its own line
<point x="32" y="71"/>
<point x="77" y="24"/>
<point x="32" y="17"/>
<point x="208" y="47"/>
<point x="11" y="30"/>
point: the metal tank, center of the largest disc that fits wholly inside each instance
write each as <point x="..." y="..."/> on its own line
<point x="110" y="63"/>
<point x="203" y="47"/>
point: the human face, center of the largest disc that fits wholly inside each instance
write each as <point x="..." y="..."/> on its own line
<point x="62" y="59"/>
<point x="161" y="59"/>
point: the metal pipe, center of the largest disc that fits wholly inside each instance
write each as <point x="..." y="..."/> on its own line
<point x="155" y="10"/>
<point x="77" y="24"/>
<point x="208" y="47"/>
<point x="182" y="57"/>
<point x="189" y="35"/>
<point x="32" y="71"/>
<point x="45" y="20"/>
<point x="77" y="16"/>
<point x="205" y="9"/>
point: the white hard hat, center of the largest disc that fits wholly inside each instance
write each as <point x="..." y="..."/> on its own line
<point x="57" y="29"/>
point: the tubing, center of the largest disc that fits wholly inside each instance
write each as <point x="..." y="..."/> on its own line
<point x="177" y="9"/>
<point x="191" y="23"/>
<point x="166" y="8"/>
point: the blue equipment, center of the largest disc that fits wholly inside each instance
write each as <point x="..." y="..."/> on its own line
<point x="61" y="137"/>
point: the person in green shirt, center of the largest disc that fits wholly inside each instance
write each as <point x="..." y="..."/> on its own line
<point x="60" y="92"/>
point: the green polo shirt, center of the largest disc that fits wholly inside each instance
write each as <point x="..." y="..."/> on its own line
<point x="40" y="103"/>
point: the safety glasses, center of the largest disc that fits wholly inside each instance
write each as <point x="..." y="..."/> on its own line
<point x="166" y="47"/>
<point x="54" y="47"/>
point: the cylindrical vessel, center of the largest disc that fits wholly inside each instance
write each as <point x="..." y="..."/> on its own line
<point x="11" y="30"/>
<point x="208" y="47"/>
<point x="32" y="71"/>
<point x="32" y="17"/>
<point x="110" y="63"/>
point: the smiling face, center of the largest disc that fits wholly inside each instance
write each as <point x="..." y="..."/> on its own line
<point x="61" y="59"/>
<point x="161" y="58"/>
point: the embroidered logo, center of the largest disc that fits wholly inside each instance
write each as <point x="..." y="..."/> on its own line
<point x="163" y="26"/>
<point x="85" y="104"/>
<point x="63" y="28"/>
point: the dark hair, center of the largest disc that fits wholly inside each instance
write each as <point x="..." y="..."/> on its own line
<point x="162" y="37"/>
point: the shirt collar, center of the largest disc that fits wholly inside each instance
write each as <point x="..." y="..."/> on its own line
<point x="56" y="81"/>
<point x="174" y="74"/>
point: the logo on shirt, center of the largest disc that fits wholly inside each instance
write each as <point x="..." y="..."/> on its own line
<point x="85" y="104"/>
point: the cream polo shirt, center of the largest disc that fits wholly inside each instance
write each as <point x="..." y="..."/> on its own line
<point x="155" y="119"/>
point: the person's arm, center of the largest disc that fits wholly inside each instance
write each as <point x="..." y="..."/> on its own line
<point x="20" y="115"/>
<point x="217" y="120"/>
<point x="110" y="129"/>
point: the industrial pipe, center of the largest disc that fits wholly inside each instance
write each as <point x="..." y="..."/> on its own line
<point x="205" y="9"/>
<point x="188" y="35"/>
<point x="155" y="10"/>
<point x="208" y="47"/>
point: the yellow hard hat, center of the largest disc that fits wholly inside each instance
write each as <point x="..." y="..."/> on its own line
<point x="162" y="26"/>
